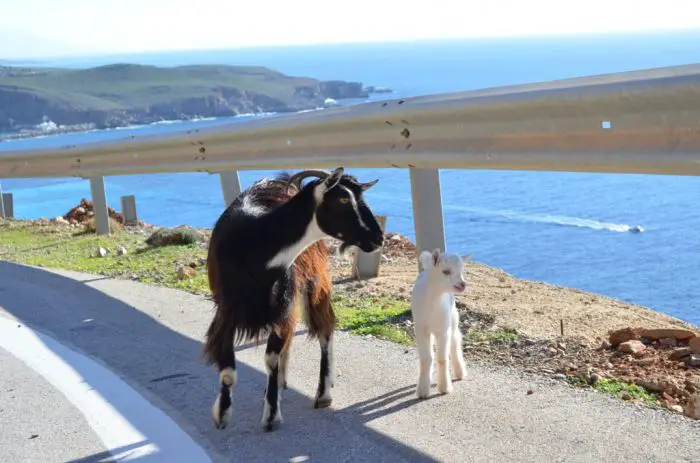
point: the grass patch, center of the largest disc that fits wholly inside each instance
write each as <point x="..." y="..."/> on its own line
<point x="619" y="389"/>
<point x="375" y="316"/>
<point x="622" y="389"/>
<point x="504" y="336"/>
<point x="61" y="247"/>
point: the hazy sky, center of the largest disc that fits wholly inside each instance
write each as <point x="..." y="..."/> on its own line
<point x="31" y="28"/>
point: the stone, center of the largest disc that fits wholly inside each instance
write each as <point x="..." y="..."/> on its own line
<point x="632" y="347"/>
<point x="694" y="344"/>
<point x="679" y="353"/>
<point x="121" y="251"/>
<point x="693" y="360"/>
<point x="646" y="361"/>
<point x="101" y="252"/>
<point x="692" y="410"/>
<point x="676" y="408"/>
<point x="60" y="220"/>
<point x="626" y="334"/>
<point x="659" y="334"/>
<point x="669" y="342"/>
<point x="605" y="344"/>
<point x="184" y="273"/>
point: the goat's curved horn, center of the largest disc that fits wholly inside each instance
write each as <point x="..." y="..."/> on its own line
<point x="299" y="177"/>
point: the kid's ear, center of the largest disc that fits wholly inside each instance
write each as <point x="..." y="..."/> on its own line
<point x="436" y="257"/>
<point x="426" y="259"/>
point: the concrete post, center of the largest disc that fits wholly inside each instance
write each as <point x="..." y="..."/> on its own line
<point x="99" y="205"/>
<point x="7" y="207"/>
<point x="231" y="185"/>
<point x="129" y="210"/>
<point x="366" y="265"/>
<point x="427" y="209"/>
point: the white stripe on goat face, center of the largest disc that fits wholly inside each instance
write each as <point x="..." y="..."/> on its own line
<point x="355" y="207"/>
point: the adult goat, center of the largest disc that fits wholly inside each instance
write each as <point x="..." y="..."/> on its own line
<point x="266" y="255"/>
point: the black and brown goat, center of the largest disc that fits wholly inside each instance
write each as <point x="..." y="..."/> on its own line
<point x="266" y="257"/>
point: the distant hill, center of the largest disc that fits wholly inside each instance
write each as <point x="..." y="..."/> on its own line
<point x="120" y="95"/>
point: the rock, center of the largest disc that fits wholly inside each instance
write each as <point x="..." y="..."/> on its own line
<point x="184" y="273"/>
<point x="679" y="353"/>
<point x="669" y="342"/>
<point x="121" y="251"/>
<point x="659" y="334"/>
<point x="101" y="252"/>
<point x="594" y="378"/>
<point x="625" y="396"/>
<point x="60" y="220"/>
<point x="692" y="384"/>
<point x="694" y="344"/>
<point x="676" y="408"/>
<point x="605" y="344"/>
<point x="202" y="261"/>
<point x="632" y="347"/>
<point x="645" y="361"/>
<point x="693" y="360"/>
<point x="692" y="410"/>
<point x="657" y="385"/>
<point x="192" y="265"/>
<point x="559" y="376"/>
<point x="626" y="334"/>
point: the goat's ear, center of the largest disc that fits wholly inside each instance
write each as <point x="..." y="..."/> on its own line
<point x="436" y="257"/>
<point x="426" y="259"/>
<point x="368" y="185"/>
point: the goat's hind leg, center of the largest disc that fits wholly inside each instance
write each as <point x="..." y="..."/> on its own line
<point x="326" y="374"/>
<point x="221" y="410"/>
<point x="456" y="355"/>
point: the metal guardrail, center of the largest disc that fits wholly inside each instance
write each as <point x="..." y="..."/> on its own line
<point x="633" y="122"/>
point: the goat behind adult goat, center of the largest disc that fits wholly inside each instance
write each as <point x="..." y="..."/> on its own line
<point x="266" y="255"/>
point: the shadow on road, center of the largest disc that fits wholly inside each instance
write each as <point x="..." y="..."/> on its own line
<point x="165" y="366"/>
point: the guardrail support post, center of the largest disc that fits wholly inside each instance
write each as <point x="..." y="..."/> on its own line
<point x="2" y="204"/>
<point x="129" y="210"/>
<point x="231" y="185"/>
<point x="427" y="209"/>
<point x="366" y="264"/>
<point x="99" y="205"/>
<point x="7" y="208"/>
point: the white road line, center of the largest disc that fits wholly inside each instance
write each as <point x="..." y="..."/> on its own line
<point x="129" y="426"/>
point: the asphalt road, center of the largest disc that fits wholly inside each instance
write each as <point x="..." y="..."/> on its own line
<point x="93" y="369"/>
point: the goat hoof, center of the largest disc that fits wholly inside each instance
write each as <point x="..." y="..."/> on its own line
<point x="323" y="402"/>
<point x="221" y="411"/>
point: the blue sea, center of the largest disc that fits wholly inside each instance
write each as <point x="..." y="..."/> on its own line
<point x="569" y="229"/>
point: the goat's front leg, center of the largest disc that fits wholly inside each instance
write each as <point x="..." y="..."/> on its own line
<point x="326" y="376"/>
<point x="425" y="358"/>
<point x="271" y="409"/>
<point x="443" y="341"/>
<point x="221" y="410"/>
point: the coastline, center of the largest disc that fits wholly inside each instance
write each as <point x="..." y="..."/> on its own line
<point x="507" y="321"/>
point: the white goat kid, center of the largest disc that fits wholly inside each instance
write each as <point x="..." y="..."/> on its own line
<point x="435" y="315"/>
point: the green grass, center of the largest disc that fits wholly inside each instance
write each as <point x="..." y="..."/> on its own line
<point x="373" y="316"/>
<point x="618" y="389"/>
<point x="62" y="247"/>
<point x="495" y="335"/>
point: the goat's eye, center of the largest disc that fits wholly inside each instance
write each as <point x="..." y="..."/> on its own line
<point x="446" y="272"/>
<point x="344" y="200"/>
